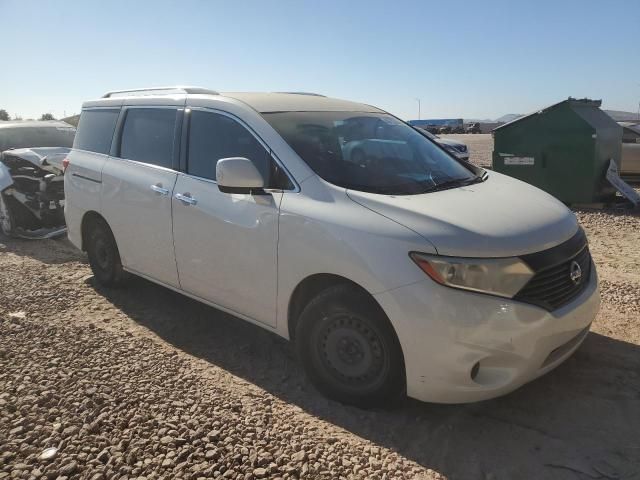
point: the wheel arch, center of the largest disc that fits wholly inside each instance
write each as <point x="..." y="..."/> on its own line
<point x="311" y="286"/>
<point x="88" y="219"/>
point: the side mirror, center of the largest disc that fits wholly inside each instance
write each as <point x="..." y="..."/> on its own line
<point x="238" y="175"/>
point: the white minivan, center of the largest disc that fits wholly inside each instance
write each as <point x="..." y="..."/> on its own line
<point x="401" y="270"/>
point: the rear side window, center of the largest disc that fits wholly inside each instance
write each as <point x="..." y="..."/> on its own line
<point x="95" y="130"/>
<point x="213" y="136"/>
<point x="148" y="136"/>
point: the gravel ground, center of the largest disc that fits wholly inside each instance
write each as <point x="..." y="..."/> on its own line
<point x="145" y="383"/>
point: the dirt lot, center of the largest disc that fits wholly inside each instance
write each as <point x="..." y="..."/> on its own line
<point x="480" y="147"/>
<point x="145" y="383"/>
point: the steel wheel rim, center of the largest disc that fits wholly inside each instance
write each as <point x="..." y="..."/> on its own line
<point x="352" y="352"/>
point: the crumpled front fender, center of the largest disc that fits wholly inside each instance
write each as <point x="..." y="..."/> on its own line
<point x="5" y="177"/>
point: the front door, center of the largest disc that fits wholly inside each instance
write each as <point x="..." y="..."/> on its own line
<point x="225" y="244"/>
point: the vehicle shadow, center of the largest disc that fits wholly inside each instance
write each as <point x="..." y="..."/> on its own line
<point x="579" y="421"/>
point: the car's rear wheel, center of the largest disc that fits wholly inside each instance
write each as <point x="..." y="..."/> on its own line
<point x="104" y="257"/>
<point x="7" y="223"/>
<point x="349" y="349"/>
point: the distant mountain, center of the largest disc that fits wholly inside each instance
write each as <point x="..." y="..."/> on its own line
<point x="480" y="120"/>
<point x="619" y="116"/>
<point x="509" y="117"/>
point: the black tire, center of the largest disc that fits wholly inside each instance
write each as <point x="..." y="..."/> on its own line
<point x="7" y="217"/>
<point x="349" y="349"/>
<point x="104" y="257"/>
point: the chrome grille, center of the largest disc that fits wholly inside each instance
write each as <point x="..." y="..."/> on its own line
<point x="552" y="286"/>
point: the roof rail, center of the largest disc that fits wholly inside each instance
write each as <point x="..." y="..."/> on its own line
<point x="305" y="93"/>
<point x="159" y="91"/>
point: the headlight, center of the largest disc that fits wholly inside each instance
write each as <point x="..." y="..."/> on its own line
<point x="497" y="276"/>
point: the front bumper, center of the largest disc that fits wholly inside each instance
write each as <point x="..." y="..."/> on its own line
<point x="444" y="332"/>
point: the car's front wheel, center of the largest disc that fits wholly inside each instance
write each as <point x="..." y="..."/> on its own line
<point x="349" y="349"/>
<point x="104" y="257"/>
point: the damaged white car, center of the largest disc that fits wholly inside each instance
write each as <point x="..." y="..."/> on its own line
<point x="32" y="192"/>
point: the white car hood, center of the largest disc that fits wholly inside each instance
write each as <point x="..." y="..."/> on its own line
<point x="499" y="217"/>
<point x="41" y="157"/>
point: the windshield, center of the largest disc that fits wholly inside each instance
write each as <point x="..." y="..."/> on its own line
<point x="369" y="152"/>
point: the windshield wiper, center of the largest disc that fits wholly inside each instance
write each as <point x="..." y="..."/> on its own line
<point x="412" y="188"/>
<point x="476" y="179"/>
<point x="454" y="182"/>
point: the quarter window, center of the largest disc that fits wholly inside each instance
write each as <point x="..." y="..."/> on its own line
<point x="95" y="130"/>
<point x="148" y="136"/>
<point x="213" y="136"/>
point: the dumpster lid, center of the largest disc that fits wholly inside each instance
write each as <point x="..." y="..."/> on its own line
<point x="583" y="102"/>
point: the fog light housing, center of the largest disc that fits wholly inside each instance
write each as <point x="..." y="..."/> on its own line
<point x="474" y="370"/>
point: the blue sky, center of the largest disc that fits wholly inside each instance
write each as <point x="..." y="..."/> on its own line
<point x="472" y="59"/>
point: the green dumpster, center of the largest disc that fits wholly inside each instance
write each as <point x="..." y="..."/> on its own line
<point x="564" y="149"/>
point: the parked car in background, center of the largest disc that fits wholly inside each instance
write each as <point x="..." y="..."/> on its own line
<point x="375" y="149"/>
<point x="32" y="192"/>
<point x="455" y="148"/>
<point x="34" y="133"/>
<point x="388" y="274"/>
<point x="31" y="181"/>
<point x="630" y="159"/>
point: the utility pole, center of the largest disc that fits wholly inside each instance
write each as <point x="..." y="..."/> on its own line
<point x="418" y="108"/>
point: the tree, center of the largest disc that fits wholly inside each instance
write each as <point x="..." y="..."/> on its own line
<point x="47" y="116"/>
<point x="4" y="115"/>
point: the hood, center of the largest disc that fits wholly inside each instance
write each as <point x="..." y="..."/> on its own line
<point x="446" y="141"/>
<point x="500" y="217"/>
<point x="40" y="157"/>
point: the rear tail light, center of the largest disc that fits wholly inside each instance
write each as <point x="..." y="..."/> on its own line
<point x="65" y="164"/>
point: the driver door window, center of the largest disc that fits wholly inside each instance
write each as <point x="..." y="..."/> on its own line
<point x="213" y="136"/>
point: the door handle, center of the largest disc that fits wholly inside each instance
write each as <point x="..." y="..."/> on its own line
<point x="158" y="189"/>
<point x="186" y="198"/>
